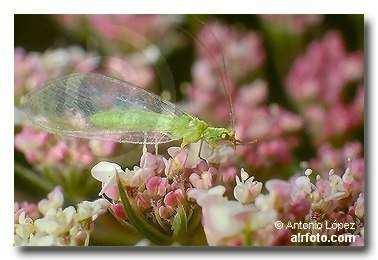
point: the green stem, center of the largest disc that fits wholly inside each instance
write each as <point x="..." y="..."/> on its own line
<point x="32" y="178"/>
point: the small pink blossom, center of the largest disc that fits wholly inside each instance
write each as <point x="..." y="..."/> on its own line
<point x="203" y="181"/>
<point x="30" y="209"/>
<point x="173" y="198"/>
<point x="157" y="185"/>
<point x="118" y="210"/>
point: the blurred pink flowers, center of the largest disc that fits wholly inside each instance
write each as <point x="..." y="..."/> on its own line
<point x="134" y="69"/>
<point x="243" y="51"/>
<point x="122" y="31"/>
<point x="33" y="69"/>
<point x="46" y="150"/>
<point x="210" y="196"/>
<point x="273" y="127"/>
<point x="294" y="24"/>
<point x="318" y="83"/>
<point x="206" y="89"/>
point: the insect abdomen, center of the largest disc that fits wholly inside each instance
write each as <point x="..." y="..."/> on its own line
<point x="137" y="120"/>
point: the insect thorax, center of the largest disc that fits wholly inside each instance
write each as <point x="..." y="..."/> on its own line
<point x="214" y="135"/>
<point x="190" y="129"/>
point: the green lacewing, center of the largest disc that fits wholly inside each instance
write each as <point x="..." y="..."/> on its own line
<point x="95" y="106"/>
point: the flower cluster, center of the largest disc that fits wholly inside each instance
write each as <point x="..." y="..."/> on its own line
<point x="235" y="211"/>
<point x="158" y="186"/>
<point x="321" y="82"/>
<point x="249" y="219"/>
<point x="46" y="150"/>
<point x="294" y="24"/>
<point x="271" y="126"/>
<point x="33" y="69"/>
<point x="243" y="51"/>
<point x="121" y="31"/>
<point x="208" y="72"/>
<point x="48" y="224"/>
<point x="302" y="153"/>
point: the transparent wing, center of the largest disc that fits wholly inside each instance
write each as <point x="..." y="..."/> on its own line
<point x="64" y="106"/>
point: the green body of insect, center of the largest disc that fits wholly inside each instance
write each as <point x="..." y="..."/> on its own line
<point x="189" y="129"/>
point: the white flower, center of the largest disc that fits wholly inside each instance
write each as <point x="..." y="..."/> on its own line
<point x="218" y="155"/>
<point x="58" y="227"/>
<point x="303" y="184"/>
<point x="106" y="173"/>
<point x="221" y="218"/>
<point x="246" y="189"/>
<point x="359" y="209"/>
<point x="54" y="201"/>
<point x="56" y="223"/>
<point x="202" y="195"/>
<point x="23" y="229"/>
<point x="348" y="176"/>
<point x="137" y="177"/>
<point x="43" y="240"/>
<point x="91" y="209"/>
<point x="261" y="219"/>
<point x="338" y="190"/>
<point x="203" y="181"/>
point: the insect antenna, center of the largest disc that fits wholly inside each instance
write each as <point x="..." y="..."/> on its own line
<point x="238" y="142"/>
<point x="224" y="77"/>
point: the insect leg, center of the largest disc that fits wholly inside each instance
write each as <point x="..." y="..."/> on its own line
<point x="157" y="144"/>
<point x="144" y="148"/>
<point x="156" y="149"/>
<point x="200" y="150"/>
<point x="186" y="158"/>
<point x="144" y="144"/>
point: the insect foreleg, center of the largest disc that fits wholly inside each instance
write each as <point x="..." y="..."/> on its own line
<point x="200" y="150"/>
<point x="144" y="145"/>
<point x="156" y="149"/>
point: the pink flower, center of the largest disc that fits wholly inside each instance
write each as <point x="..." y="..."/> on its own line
<point x="118" y="30"/>
<point x="107" y="173"/>
<point x="317" y="83"/>
<point x="57" y="152"/>
<point x="359" y="207"/>
<point x="30" y="142"/>
<point x="118" y="210"/>
<point x="157" y="185"/>
<point x="30" y="210"/>
<point x="134" y="70"/>
<point x="102" y="148"/>
<point x="165" y="212"/>
<point x="33" y="69"/>
<point x="173" y="198"/>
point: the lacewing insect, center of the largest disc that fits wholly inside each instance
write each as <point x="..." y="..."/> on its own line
<point x="94" y="106"/>
<point x="98" y="107"/>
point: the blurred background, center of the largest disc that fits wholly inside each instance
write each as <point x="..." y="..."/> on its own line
<point x="295" y="81"/>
